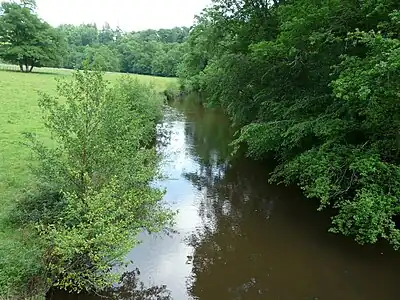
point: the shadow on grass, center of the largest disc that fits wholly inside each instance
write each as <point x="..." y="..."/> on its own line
<point x="34" y="72"/>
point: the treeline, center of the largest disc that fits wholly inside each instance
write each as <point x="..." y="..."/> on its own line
<point x="30" y="42"/>
<point x="150" y="52"/>
<point x="315" y="85"/>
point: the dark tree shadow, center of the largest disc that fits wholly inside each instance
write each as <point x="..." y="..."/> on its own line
<point x="129" y="288"/>
<point x="34" y="71"/>
<point x="262" y="241"/>
<point x="132" y="288"/>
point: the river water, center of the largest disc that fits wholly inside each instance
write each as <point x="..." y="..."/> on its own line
<point x="238" y="237"/>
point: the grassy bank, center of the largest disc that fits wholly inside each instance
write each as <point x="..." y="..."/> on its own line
<point x="19" y="113"/>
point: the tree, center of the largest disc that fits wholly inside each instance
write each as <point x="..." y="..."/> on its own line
<point x="103" y="57"/>
<point x="106" y="35"/>
<point x="154" y="52"/>
<point x="100" y="172"/>
<point x="24" y="38"/>
<point x="315" y="86"/>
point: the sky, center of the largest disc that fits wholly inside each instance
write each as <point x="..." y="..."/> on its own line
<point x="129" y="15"/>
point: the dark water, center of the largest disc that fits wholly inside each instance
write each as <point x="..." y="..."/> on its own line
<point x="239" y="237"/>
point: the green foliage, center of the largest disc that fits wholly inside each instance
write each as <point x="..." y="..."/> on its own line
<point x="25" y="39"/>
<point x="94" y="234"/>
<point x="145" y="52"/>
<point x="95" y="194"/>
<point x="91" y="127"/>
<point x="316" y="85"/>
<point x="21" y="264"/>
<point x="22" y="202"/>
<point x="28" y="41"/>
<point x="101" y="57"/>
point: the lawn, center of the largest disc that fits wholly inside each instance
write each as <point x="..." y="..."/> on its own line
<point x="19" y="113"/>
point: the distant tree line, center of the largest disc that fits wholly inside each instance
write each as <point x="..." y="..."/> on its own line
<point x="28" y="41"/>
<point x="151" y="52"/>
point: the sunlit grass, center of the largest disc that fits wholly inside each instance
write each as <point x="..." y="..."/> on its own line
<point x="159" y="83"/>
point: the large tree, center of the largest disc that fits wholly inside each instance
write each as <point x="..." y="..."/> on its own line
<point x="25" y="39"/>
<point x="315" y="85"/>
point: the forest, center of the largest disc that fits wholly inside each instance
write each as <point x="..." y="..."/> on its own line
<point x="314" y="85"/>
<point x="149" y="52"/>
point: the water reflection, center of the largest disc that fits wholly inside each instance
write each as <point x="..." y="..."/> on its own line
<point x="259" y="241"/>
<point x="133" y="289"/>
<point x="241" y="238"/>
<point x="129" y="288"/>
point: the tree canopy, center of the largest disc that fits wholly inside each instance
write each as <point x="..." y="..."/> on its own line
<point x="150" y="52"/>
<point x="29" y="42"/>
<point x="25" y="39"/>
<point x="316" y="86"/>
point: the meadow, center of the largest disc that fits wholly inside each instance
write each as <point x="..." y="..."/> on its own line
<point x="19" y="113"/>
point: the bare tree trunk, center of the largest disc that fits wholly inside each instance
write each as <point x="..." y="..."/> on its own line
<point x="31" y="68"/>
<point x="21" y="67"/>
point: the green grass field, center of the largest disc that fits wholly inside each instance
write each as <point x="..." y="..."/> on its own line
<point x="19" y="113"/>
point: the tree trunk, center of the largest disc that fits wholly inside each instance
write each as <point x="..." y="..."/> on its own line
<point x="21" y="67"/>
<point x="26" y="65"/>
<point x="31" y="68"/>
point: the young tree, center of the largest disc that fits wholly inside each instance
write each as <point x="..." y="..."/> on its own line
<point x="24" y="38"/>
<point x="100" y="167"/>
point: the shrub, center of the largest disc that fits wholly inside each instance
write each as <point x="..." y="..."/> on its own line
<point x="94" y="183"/>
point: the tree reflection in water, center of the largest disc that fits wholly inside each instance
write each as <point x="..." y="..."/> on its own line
<point x="130" y="288"/>
<point x="223" y="260"/>
<point x="261" y="241"/>
<point x="233" y="193"/>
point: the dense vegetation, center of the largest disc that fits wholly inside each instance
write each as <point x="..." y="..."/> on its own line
<point x="74" y="217"/>
<point x="89" y="191"/>
<point x="150" y="52"/>
<point x="33" y="42"/>
<point x="92" y="194"/>
<point x="21" y="255"/>
<point x="314" y="84"/>
<point x="28" y="41"/>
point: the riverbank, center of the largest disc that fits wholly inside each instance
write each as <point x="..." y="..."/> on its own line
<point x="20" y="256"/>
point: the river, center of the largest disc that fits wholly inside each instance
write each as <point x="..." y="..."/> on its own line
<point x="238" y="237"/>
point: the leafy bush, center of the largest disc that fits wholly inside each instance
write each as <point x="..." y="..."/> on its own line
<point x="96" y="231"/>
<point x="94" y="191"/>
